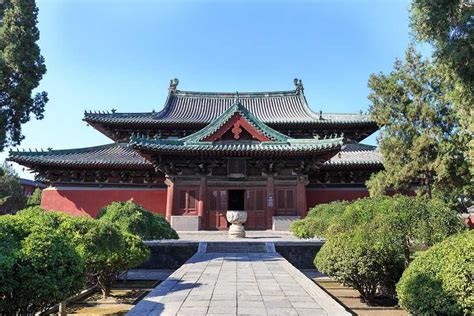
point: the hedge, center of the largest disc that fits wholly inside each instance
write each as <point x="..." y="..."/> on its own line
<point x="136" y="220"/>
<point x="318" y="220"/>
<point x="440" y="281"/>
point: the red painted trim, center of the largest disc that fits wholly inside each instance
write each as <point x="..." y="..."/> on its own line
<point x="235" y="122"/>
<point x="89" y="202"/>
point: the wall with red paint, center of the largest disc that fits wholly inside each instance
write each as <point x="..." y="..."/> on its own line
<point x="83" y="202"/>
<point x="326" y="195"/>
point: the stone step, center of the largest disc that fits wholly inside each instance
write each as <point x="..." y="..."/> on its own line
<point x="236" y="247"/>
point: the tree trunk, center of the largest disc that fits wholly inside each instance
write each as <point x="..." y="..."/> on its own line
<point x="407" y="253"/>
<point x="104" y="283"/>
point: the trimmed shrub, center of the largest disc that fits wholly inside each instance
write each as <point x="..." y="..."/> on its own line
<point x="371" y="243"/>
<point x="106" y="249"/>
<point x="363" y="259"/>
<point x="318" y="220"/>
<point x="439" y="281"/>
<point x="38" y="267"/>
<point x="136" y="220"/>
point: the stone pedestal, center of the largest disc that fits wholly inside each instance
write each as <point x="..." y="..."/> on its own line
<point x="185" y="223"/>
<point x="282" y="223"/>
<point x="236" y="218"/>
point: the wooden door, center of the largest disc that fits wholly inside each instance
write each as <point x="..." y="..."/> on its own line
<point x="255" y="205"/>
<point x="217" y="208"/>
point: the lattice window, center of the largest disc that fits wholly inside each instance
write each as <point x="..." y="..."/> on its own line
<point x="285" y="201"/>
<point x="187" y="200"/>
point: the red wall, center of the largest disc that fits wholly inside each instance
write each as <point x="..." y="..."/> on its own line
<point x="90" y="201"/>
<point x="322" y="195"/>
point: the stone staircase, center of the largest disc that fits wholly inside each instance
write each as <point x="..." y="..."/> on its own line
<point x="238" y="247"/>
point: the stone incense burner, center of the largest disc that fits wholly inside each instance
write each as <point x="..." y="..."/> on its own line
<point x="236" y="218"/>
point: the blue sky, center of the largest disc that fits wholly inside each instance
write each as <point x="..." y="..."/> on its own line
<point x="106" y="54"/>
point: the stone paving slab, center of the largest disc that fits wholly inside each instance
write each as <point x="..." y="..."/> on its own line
<point x="251" y="236"/>
<point x="237" y="284"/>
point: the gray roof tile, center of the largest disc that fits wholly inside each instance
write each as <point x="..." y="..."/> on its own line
<point x="189" y="107"/>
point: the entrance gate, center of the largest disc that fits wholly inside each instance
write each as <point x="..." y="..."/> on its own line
<point x="254" y="204"/>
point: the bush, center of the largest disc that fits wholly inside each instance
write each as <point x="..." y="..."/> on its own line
<point x="136" y="220"/>
<point x="318" y="220"/>
<point x="38" y="267"/>
<point x="106" y="249"/>
<point x="373" y="236"/>
<point x="363" y="259"/>
<point x="439" y="280"/>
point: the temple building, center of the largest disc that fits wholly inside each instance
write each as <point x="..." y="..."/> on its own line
<point x="208" y="152"/>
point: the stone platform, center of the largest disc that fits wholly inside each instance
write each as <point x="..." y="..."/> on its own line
<point x="239" y="283"/>
<point x="251" y="235"/>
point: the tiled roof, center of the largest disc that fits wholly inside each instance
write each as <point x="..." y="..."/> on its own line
<point x="238" y="149"/>
<point x="105" y="156"/>
<point x="356" y="155"/>
<point x="278" y="145"/>
<point x="121" y="155"/>
<point x="225" y="116"/>
<point x="194" y="108"/>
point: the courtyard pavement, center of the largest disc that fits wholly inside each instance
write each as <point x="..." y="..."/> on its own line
<point x="237" y="284"/>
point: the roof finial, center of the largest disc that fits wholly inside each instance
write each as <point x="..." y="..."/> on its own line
<point x="237" y="98"/>
<point x="320" y="114"/>
<point x="299" y="85"/>
<point x="113" y="110"/>
<point x="173" y="85"/>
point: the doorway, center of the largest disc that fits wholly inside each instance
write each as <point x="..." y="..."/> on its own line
<point x="236" y="200"/>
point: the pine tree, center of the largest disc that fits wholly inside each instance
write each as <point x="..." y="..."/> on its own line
<point x="21" y="69"/>
<point x="420" y="140"/>
<point x="448" y="25"/>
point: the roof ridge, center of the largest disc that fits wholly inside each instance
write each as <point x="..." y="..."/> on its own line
<point x="232" y="94"/>
<point x="70" y="151"/>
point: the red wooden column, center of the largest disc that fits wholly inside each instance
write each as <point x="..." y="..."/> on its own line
<point x="201" y="202"/>
<point x="270" y="200"/>
<point x="169" y="198"/>
<point x="301" y="207"/>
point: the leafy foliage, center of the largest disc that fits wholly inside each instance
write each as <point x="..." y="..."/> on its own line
<point x="420" y="140"/>
<point x="35" y="198"/>
<point x="448" y="26"/>
<point x="11" y="192"/>
<point x="21" y="69"/>
<point x="318" y="220"/>
<point x="38" y="266"/>
<point x="370" y="244"/>
<point x="136" y="220"/>
<point x="106" y="249"/>
<point x="363" y="259"/>
<point x="440" y="280"/>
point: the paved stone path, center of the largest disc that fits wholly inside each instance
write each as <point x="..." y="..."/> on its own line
<point x="237" y="284"/>
<point x="251" y="235"/>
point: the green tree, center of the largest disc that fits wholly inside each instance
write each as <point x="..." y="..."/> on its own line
<point x="420" y="140"/>
<point x="11" y="192"/>
<point x="35" y="198"/>
<point x="21" y="69"/>
<point x="106" y="249"/>
<point x="372" y="242"/>
<point x="448" y="26"/>
<point x="136" y="220"/>
<point x="38" y="266"/>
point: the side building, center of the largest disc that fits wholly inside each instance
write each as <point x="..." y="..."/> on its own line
<point x="206" y="153"/>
